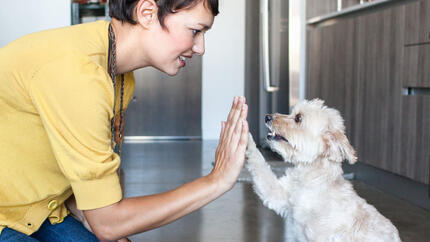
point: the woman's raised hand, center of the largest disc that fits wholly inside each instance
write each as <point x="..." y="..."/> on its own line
<point x="230" y="153"/>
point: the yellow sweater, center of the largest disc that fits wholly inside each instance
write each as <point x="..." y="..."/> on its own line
<point x="56" y="101"/>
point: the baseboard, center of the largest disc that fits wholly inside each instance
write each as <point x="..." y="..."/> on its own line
<point x="150" y="139"/>
<point x="399" y="186"/>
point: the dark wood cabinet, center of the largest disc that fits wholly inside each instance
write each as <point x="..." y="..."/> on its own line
<point x="416" y="108"/>
<point x="417" y="45"/>
<point x="358" y="65"/>
<point x="417" y="22"/>
<point x="417" y="66"/>
<point x="331" y="68"/>
<point x="380" y="39"/>
<point x="415" y="138"/>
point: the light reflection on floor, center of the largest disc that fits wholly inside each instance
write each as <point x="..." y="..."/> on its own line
<point x="238" y="215"/>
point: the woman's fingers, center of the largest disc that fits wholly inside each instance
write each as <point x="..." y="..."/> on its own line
<point x="238" y="128"/>
<point x="234" y="119"/>
<point x="243" y="142"/>
<point x="233" y="107"/>
<point x="229" y="117"/>
<point x="221" y="134"/>
<point x="230" y="130"/>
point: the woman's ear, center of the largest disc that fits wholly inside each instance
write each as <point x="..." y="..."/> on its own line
<point x="146" y="12"/>
<point x="338" y="147"/>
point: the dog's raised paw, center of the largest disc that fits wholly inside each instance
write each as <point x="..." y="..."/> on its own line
<point x="251" y="143"/>
<point x="251" y="148"/>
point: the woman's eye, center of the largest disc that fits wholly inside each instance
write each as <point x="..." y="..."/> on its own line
<point x="298" y="118"/>
<point x="196" y="31"/>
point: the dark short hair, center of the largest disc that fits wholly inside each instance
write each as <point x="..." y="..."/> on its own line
<point x="123" y="9"/>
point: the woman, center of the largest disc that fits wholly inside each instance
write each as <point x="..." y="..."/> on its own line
<point x="60" y="92"/>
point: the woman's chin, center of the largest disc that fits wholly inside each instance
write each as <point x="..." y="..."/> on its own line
<point x="172" y="71"/>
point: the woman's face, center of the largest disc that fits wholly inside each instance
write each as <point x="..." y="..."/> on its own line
<point x="181" y="39"/>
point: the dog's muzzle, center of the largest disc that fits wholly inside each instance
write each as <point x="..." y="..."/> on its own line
<point x="272" y="135"/>
<point x="276" y="137"/>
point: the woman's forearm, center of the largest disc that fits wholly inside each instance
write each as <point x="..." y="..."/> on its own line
<point x="139" y="214"/>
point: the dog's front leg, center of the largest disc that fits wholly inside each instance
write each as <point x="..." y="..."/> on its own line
<point x="266" y="184"/>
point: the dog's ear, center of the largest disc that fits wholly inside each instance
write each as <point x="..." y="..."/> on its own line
<point x="338" y="148"/>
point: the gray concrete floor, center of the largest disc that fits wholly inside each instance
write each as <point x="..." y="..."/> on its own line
<point x="238" y="215"/>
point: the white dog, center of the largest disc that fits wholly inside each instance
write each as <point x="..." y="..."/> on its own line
<point x="314" y="198"/>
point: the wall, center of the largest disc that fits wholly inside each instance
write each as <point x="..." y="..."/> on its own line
<point x="18" y="18"/>
<point x="223" y="66"/>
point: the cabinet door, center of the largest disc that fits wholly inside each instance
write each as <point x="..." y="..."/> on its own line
<point x="380" y="38"/>
<point x="417" y="21"/>
<point x="417" y="44"/>
<point x="415" y="137"/>
<point x="331" y="68"/>
<point x="417" y="66"/>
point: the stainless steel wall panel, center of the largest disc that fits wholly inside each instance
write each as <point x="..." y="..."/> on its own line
<point x="164" y="105"/>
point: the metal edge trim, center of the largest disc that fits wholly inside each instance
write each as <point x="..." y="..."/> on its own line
<point x="347" y="10"/>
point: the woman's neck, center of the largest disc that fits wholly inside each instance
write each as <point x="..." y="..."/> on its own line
<point x="127" y="46"/>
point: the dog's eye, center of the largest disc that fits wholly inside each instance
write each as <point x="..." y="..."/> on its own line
<point x="298" y="118"/>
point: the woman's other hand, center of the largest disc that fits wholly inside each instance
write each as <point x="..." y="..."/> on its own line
<point x="79" y="215"/>
<point x="230" y="153"/>
<point x="76" y="213"/>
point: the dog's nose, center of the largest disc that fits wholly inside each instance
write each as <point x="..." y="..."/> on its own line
<point x="268" y="118"/>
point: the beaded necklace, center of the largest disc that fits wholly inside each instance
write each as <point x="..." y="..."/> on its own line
<point x="117" y="122"/>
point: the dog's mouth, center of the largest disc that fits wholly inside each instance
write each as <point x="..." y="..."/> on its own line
<point x="276" y="137"/>
<point x="272" y="135"/>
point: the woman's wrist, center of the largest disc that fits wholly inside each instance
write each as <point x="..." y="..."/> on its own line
<point x="220" y="183"/>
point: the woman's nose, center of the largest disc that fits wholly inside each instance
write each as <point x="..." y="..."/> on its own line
<point x="199" y="45"/>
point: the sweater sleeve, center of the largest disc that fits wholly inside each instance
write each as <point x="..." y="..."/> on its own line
<point x="74" y="98"/>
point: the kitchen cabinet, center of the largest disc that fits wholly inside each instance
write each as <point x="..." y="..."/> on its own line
<point x="361" y="64"/>
<point x="417" y="22"/>
<point x="415" y="108"/>
<point x="415" y="137"/>
<point x="331" y="68"/>
<point x="380" y="40"/>
<point x="358" y="65"/>
<point x="417" y="45"/>
<point x="417" y="66"/>
<point x="355" y="65"/>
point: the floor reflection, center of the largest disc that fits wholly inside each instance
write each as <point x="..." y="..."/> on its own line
<point x="238" y="215"/>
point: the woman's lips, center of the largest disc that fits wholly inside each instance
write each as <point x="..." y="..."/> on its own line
<point x="182" y="61"/>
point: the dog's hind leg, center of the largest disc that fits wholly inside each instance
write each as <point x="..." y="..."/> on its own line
<point x="266" y="184"/>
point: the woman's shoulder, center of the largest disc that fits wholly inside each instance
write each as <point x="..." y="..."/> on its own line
<point x="90" y="39"/>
